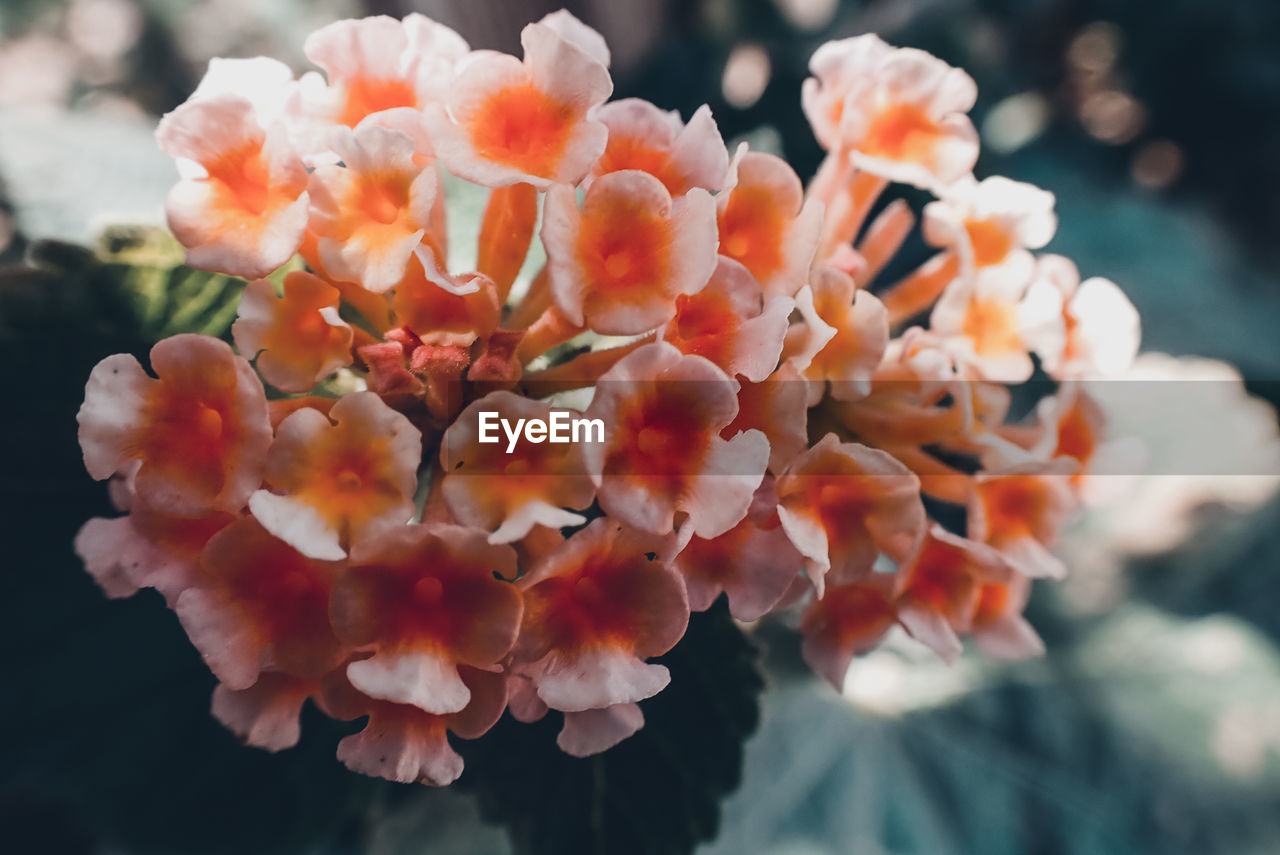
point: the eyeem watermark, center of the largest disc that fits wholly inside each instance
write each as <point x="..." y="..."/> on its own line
<point x="561" y="427"/>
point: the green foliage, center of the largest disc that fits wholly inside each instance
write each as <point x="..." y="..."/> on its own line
<point x="132" y="285"/>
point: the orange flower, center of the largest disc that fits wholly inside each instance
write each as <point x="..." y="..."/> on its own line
<point x="299" y="339"/>
<point x="644" y="137"/>
<point x="375" y="66"/>
<point x="847" y="357"/>
<point x="241" y="207"/>
<point x="442" y="317"/>
<point x="1099" y="329"/>
<point x="265" y="715"/>
<point x="847" y="620"/>
<point x="897" y="112"/>
<point x="200" y="431"/>
<point x="753" y="563"/>
<point x="998" y="625"/>
<point x="941" y="585"/>
<point x="146" y="549"/>
<point x="1020" y="509"/>
<point x="424" y="600"/>
<point x="663" y="454"/>
<point x="403" y="743"/>
<point x="619" y="264"/>
<point x="585" y="732"/>
<point x="589" y="732"/>
<point x="843" y="503"/>
<point x="992" y="224"/>
<point x="778" y="407"/>
<point x="730" y="323"/>
<point x="595" y="609"/>
<point x="339" y="479"/>
<point x="990" y="324"/>
<point x="1069" y="424"/>
<point x="511" y="487"/>
<point x="260" y="605"/>
<point x="766" y="224"/>
<point x="371" y="214"/>
<point x="505" y="121"/>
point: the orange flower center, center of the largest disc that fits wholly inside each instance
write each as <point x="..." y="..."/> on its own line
<point x="992" y="326"/>
<point x="382" y="198"/>
<point x="990" y="241"/>
<point x="940" y="578"/>
<point x="1075" y="436"/>
<point x="630" y="153"/>
<point x="623" y="248"/>
<point x="751" y="231"/>
<point x="1012" y="504"/>
<point x="902" y="132"/>
<point x="245" y="177"/>
<point x="366" y="95"/>
<point x="992" y="601"/>
<point x="705" y="324"/>
<point x="520" y="126"/>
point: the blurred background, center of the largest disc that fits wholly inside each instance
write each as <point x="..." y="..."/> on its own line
<point x="1153" y="725"/>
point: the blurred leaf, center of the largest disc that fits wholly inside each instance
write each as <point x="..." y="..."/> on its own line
<point x="133" y="283"/>
<point x="1108" y="748"/>
<point x="657" y="792"/>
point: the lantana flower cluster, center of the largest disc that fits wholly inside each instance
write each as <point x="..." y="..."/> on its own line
<point x="317" y="504"/>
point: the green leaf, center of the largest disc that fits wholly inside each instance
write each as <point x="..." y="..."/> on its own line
<point x="132" y="284"/>
<point x="658" y="792"/>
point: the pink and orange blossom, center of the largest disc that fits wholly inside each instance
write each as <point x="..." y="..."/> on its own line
<point x="771" y="427"/>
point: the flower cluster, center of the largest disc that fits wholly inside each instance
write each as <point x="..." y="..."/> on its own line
<point x="319" y="507"/>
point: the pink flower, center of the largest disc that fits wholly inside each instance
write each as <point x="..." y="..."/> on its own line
<point x="847" y="620"/>
<point x="663" y="454"/>
<point x="991" y="324"/>
<point x="644" y="137"/>
<point x="370" y="214"/>
<point x="1020" y="510"/>
<point x="595" y="609"/>
<point x="730" y="323"/>
<point x="265" y="715"/>
<point x="992" y="224"/>
<point x="260" y="605"/>
<point x="941" y="587"/>
<point x="843" y="503"/>
<point x="146" y="549"/>
<point x="438" y="316"/>
<point x="338" y="479"/>
<point x="425" y="601"/>
<point x="847" y="340"/>
<point x="200" y="430"/>
<point x="589" y="732"/>
<point x="504" y="121"/>
<point x="897" y="112"/>
<point x="1102" y="327"/>
<point x="241" y="207"/>
<point x="778" y="407"/>
<point x="298" y="338"/>
<point x="998" y="625"/>
<point x="753" y="563"/>
<point x="620" y="263"/>
<point x="506" y="489"/>
<point x="765" y="222"/>
<point x="403" y="743"/>
<point x="376" y="67"/>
